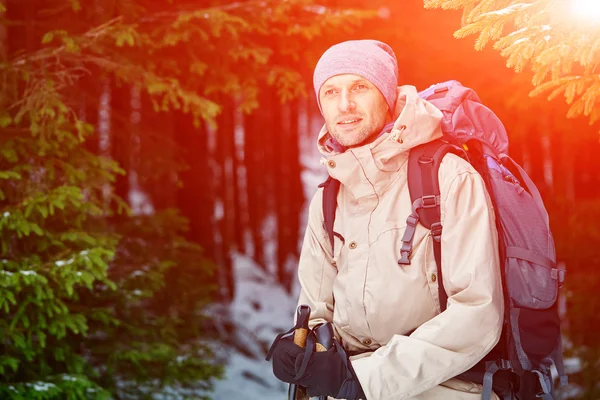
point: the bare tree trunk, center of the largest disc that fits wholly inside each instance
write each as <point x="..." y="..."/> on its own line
<point x="226" y="196"/>
<point x="3" y="37"/>
<point x="196" y="198"/>
<point x="238" y="184"/>
<point x="119" y="140"/>
<point x="254" y="159"/>
<point x="290" y="194"/>
<point x="138" y="199"/>
<point x="103" y="128"/>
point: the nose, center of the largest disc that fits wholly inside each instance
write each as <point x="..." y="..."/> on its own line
<point x="346" y="101"/>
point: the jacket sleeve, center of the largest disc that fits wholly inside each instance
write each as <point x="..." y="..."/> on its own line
<point x="316" y="269"/>
<point x="459" y="337"/>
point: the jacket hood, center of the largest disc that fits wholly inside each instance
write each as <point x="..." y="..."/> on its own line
<point x="417" y="121"/>
<point x="372" y="166"/>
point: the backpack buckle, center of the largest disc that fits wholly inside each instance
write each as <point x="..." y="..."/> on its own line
<point x="429" y="201"/>
<point x="405" y="252"/>
<point x="436" y="231"/>
<point x="412" y="220"/>
<point x="559" y="275"/>
<point x="404" y="260"/>
<point x="501" y="364"/>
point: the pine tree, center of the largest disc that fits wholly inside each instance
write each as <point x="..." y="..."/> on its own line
<point x="561" y="49"/>
<point x="71" y="323"/>
<point x="97" y="301"/>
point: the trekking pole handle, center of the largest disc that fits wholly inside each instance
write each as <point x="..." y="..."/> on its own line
<point x="301" y="333"/>
<point x="325" y="340"/>
<point x="296" y="392"/>
<point x="325" y="337"/>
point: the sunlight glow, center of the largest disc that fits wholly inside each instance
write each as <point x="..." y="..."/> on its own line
<point x="586" y="9"/>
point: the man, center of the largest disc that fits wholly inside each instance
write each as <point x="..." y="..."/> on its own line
<point x="385" y="315"/>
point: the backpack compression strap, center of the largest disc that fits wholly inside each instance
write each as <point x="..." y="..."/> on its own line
<point x="330" y="190"/>
<point x="423" y="165"/>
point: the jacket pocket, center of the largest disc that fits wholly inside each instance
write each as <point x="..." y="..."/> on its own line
<point x="431" y="272"/>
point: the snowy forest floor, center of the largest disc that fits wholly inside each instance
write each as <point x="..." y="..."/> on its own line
<point x="261" y="309"/>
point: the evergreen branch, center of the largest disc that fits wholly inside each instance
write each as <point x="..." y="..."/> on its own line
<point x="586" y="87"/>
<point x="95" y="34"/>
<point x="449" y="4"/>
<point x="490" y="24"/>
<point x="251" y="6"/>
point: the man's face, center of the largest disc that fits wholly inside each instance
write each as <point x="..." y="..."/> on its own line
<point x="354" y="109"/>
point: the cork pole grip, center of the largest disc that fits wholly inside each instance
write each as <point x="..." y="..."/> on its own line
<point x="324" y="336"/>
<point x="296" y="392"/>
<point x="300" y="337"/>
<point x="320" y="348"/>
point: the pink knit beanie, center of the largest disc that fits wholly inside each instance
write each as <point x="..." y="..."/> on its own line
<point x="371" y="59"/>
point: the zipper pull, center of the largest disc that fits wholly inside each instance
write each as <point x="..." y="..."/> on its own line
<point x="395" y="136"/>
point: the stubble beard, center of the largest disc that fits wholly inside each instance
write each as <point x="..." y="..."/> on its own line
<point x="354" y="138"/>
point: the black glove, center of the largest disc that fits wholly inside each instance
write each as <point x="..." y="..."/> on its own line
<point x="284" y="353"/>
<point x="329" y="373"/>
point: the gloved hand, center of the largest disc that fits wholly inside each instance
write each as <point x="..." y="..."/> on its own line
<point x="284" y="354"/>
<point x="329" y="373"/>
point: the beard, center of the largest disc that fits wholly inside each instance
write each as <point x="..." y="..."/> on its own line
<point x="358" y="136"/>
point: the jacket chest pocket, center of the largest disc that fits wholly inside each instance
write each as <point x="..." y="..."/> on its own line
<point x="422" y="262"/>
<point x="406" y="292"/>
<point x="431" y="272"/>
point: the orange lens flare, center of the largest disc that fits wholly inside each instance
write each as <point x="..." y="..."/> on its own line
<point x="586" y="9"/>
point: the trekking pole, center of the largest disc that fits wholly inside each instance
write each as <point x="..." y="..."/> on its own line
<point x="296" y="392"/>
<point x="325" y="337"/>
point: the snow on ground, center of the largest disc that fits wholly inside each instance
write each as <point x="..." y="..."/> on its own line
<point x="261" y="308"/>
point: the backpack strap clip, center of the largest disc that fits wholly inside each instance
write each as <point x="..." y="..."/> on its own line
<point x="411" y="225"/>
<point x="559" y="275"/>
<point x="405" y="252"/>
<point x="412" y="220"/>
<point x="409" y="232"/>
<point x="436" y="231"/>
<point x="429" y="201"/>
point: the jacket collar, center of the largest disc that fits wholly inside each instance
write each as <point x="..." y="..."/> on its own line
<point x="369" y="169"/>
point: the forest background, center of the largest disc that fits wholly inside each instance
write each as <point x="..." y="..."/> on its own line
<point x="143" y="144"/>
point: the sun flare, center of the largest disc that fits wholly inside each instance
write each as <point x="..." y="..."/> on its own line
<point x="586" y="9"/>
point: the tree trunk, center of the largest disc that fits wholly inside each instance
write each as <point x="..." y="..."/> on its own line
<point x="290" y="194"/>
<point x="226" y="192"/>
<point x="120" y="136"/>
<point x="256" y="125"/>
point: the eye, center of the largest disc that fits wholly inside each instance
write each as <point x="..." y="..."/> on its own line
<point x="361" y="86"/>
<point x="329" y="92"/>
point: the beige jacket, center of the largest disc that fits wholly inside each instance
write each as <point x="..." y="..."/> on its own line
<point x="373" y="302"/>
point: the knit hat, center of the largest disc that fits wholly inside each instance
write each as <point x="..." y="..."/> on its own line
<point x="371" y="59"/>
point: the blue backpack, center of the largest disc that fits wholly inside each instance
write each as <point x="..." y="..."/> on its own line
<point x="531" y="342"/>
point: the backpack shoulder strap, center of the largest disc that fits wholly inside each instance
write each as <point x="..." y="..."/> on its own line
<point x="424" y="187"/>
<point x="331" y="188"/>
